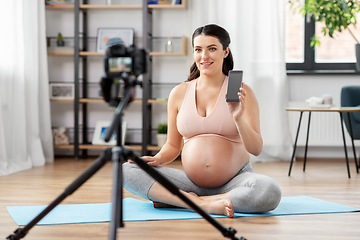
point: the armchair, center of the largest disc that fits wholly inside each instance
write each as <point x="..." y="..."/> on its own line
<point x="350" y="97"/>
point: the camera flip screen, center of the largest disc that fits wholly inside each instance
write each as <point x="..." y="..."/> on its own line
<point x="120" y="64"/>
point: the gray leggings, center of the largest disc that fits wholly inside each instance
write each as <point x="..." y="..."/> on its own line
<point x="250" y="192"/>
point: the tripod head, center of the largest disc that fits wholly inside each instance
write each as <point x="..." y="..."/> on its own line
<point x="123" y="65"/>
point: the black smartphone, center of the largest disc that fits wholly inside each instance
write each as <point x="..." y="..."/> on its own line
<point x="234" y="84"/>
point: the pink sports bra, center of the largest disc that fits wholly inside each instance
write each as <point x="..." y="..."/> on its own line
<point x="218" y="122"/>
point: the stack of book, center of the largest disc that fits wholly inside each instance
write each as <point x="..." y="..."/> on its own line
<point x="59" y="2"/>
<point x="174" y="2"/>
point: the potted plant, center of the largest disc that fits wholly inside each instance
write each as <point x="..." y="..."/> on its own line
<point x="161" y="135"/>
<point x="60" y="40"/>
<point x="337" y="15"/>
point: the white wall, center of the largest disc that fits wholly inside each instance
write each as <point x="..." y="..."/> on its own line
<point x="303" y="87"/>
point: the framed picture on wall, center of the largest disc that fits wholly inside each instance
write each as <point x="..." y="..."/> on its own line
<point x="101" y="130"/>
<point x="109" y="36"/>
<point x="62" y="90"/>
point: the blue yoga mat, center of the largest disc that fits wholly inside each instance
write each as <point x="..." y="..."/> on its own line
<point x="136" y="210"/>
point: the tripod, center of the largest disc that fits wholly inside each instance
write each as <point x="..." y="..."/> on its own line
<point x="118" y="155"/>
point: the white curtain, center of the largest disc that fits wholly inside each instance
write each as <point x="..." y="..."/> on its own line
<point x="257" y="36"/>
<point x="25" y="125"/>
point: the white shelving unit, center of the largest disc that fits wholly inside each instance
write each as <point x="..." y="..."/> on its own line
<point x="81" y="54"/>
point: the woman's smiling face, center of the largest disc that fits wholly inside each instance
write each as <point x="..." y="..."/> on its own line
<point x="209" y="54"/>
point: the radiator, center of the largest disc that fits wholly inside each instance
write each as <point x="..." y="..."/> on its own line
<point x="325" y="129"/>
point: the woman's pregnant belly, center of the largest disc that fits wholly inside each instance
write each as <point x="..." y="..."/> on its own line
<point x="211" y="161"/>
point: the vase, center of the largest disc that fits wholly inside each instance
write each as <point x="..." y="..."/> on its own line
<point x="60" y="43"/>
<point x="357" y="52"/>
<point x="169" y="46"/>
<point x="161" y="139"/>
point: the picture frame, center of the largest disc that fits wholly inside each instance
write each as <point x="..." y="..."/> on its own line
<point x="61" y="90"/>
<point x="110" y="36"/>
<point x="100" y="133"/>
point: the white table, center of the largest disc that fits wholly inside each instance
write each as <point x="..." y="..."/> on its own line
<point x="340" y="110"/>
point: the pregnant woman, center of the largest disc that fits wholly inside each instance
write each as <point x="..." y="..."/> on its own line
<point x="218" y="139"/>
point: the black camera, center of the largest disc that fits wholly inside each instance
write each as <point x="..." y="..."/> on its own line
<point x="122" y="67"/>
<point x="120" y="59"/>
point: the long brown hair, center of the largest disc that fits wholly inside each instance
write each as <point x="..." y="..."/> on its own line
<point x="224" y="38"/>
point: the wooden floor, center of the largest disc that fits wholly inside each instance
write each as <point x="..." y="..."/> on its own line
<point x="325" y="179"/>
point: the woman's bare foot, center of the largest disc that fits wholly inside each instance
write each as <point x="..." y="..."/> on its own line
<point x="217" y="204"/>
<point x="221" y="207"/>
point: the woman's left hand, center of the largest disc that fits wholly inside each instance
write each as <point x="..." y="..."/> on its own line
<point x="237" y="109"/>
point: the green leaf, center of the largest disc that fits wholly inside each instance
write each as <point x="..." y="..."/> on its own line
<point x="314" y="41"/>
<point x="337" y="14"/>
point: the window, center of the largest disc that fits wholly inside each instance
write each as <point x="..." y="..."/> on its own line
<point x="336" y="53"/>
<point x="343" y="44"/>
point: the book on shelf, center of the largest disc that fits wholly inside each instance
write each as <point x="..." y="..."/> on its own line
<point x="57" y="3"/>
<point x="165" y="2"/>
<point x="175" y="2"/>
